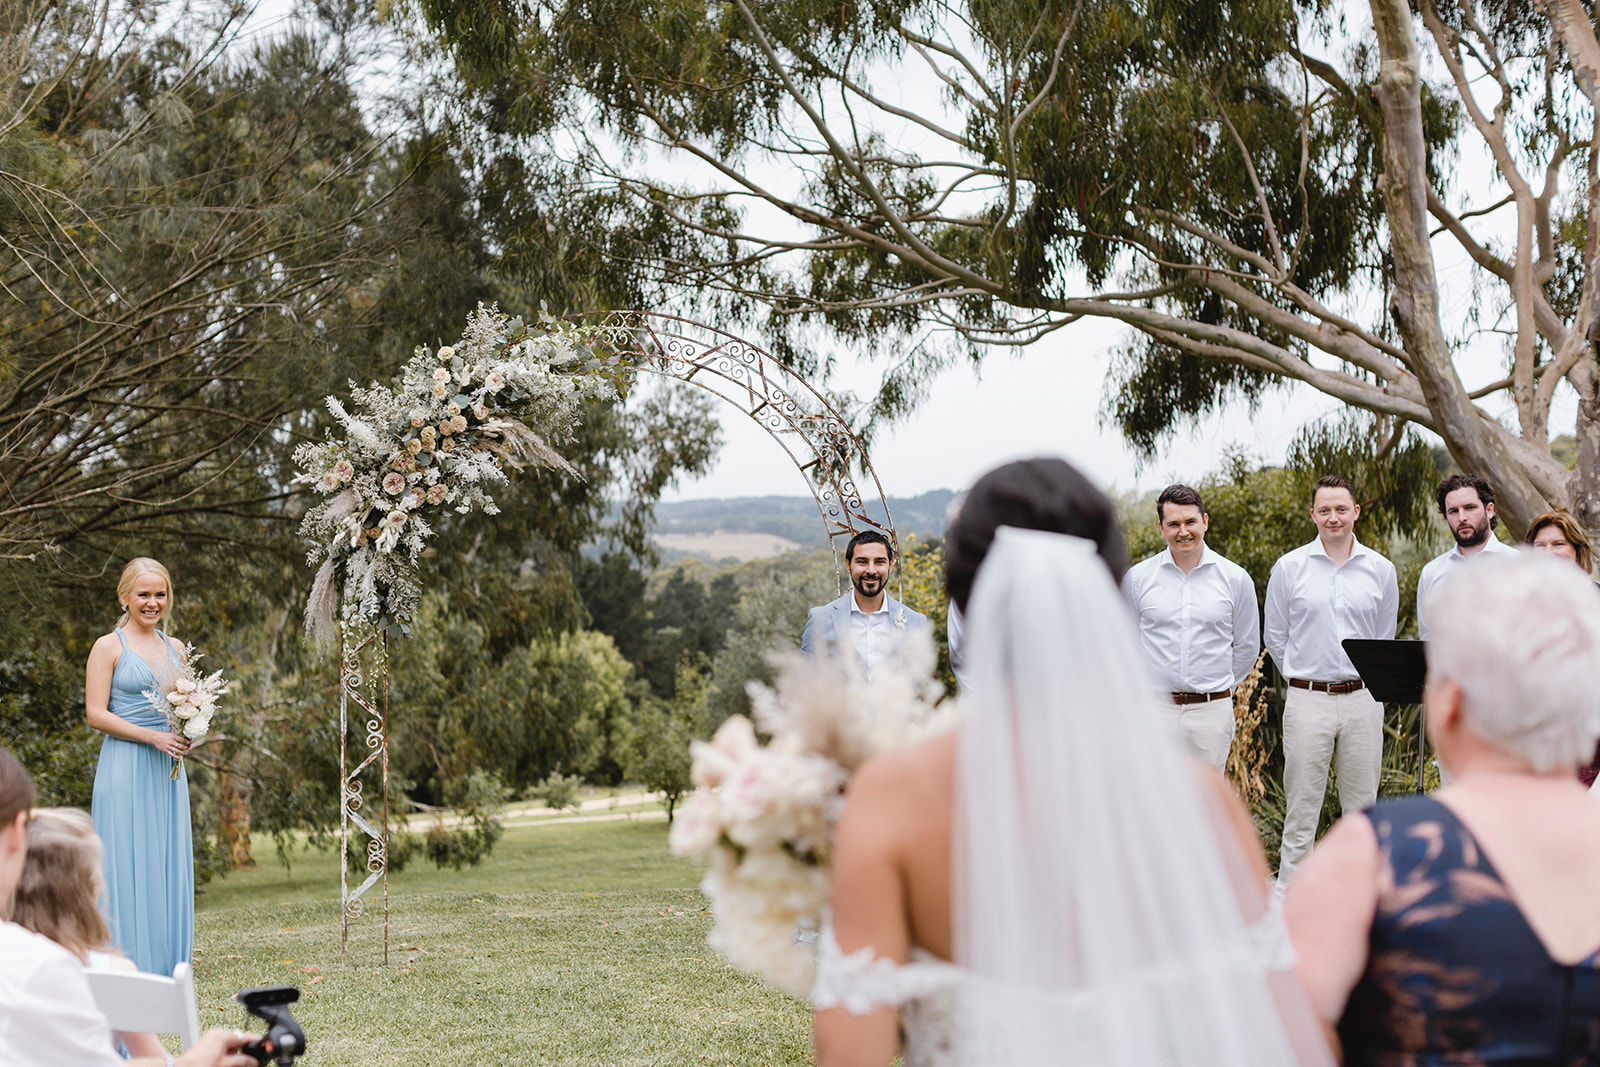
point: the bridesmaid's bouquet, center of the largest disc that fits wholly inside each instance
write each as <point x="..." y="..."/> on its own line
<point x="765" y="814"/>
<point x="188" y="698"/>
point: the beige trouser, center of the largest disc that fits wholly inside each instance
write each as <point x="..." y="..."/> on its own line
<point x="1208" y="729"/>
<point x="1345" y="729"/>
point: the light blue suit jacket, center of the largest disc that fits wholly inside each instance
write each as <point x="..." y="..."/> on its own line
<point x="828" y="623"/>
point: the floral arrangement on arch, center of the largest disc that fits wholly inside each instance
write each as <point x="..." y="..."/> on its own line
<point x="765" y="815"/>
<point x="438" y="437"/>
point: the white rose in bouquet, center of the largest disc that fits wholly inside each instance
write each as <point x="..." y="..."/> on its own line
<point x="696" y="826"/>
<point x="190" y="699"/>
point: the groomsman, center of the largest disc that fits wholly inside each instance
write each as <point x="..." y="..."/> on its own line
<point x="866" y="616"/>
<point x="1197" y="622"/>
<point x="1467" y="503"/>
<point x="1318" y="595"/>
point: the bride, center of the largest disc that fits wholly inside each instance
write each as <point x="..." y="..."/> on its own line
<point x="1053" y="882"/>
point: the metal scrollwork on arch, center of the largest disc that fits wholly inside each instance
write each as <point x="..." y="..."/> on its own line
<point x="365" y="685"/>
<point x="772" y="394"/>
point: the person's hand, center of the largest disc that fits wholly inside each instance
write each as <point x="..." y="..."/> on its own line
<point x="173" y="744"/>
<point x="219" y="1048"/>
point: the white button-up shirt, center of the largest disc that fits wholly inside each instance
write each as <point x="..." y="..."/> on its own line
<point x="1440" y="567"/>
<point x="1314" y="603"/>
<point x="47" y="1014"/>
<point x="955" y="640"/>
<point x="872" y="632"/>
<point x="1199" y="630"/>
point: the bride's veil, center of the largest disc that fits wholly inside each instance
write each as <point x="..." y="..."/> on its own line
<point x="1109" y="914"/>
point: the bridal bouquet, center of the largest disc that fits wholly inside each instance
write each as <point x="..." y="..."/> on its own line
<point x="765" y="814"/>
<point x="188" y="697"/>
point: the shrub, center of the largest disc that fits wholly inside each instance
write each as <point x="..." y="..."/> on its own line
<point x="559" y="791"/>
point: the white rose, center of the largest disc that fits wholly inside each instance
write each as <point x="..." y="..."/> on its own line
<point x="750" y="805"/>
<point x="695" y="826"/>
<point x="736" y="737"/>
<point x="184" y="685"/>
<point x="708" y="767"/>
<point x="445" y="353"/>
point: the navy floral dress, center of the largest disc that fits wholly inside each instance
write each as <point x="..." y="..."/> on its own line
<point x="1455" y="975"/>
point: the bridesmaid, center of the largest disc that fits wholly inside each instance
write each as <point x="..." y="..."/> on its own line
<point x="140" y="812"/>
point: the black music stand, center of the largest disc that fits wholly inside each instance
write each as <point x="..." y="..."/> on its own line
<point x="1395" y="672"/>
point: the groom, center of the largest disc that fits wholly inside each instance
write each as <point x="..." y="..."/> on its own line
<point x="868" y="618"/>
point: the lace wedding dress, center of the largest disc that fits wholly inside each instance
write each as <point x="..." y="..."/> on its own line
<point x="928" y="992"/>
<point x="1104" y="912"/>
<point x="925" y="990"/>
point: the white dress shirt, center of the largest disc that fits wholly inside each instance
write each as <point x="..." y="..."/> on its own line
<point x="1199" y="630"/>
<point x="1440" y="567"/>
<point x="1314" y="603"/>
<point x="955" y="638"/>
<point x="872" y="633"/>
<point x="47" y="1014"/>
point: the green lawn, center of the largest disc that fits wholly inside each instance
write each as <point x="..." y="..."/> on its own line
<point x="581" y="943"/>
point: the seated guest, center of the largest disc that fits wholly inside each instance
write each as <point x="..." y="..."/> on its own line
<point x="1463" y="927"/>
<point x="47" y="1014"/>
<point x="1558" y="534"/>
<point x="61" y="882"/>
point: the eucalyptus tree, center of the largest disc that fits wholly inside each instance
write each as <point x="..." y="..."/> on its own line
<point x="189" y="228"/>
<point x="1257" y="189"/>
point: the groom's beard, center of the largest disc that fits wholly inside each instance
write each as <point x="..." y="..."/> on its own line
<point x="868" y="585"/>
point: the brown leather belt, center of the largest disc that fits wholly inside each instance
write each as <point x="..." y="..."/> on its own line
<point x="1200" y="698"/>
<point x="1354" y="685"/>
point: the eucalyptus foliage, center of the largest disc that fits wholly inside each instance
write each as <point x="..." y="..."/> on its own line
<point x="1254" y="187"/>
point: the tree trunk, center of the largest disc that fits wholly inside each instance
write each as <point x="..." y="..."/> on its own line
<point x="1586" y="486"/>
<point x="233" y="819"/>
<point x="1415" y="301"/>
<point x="1576" y="31"/>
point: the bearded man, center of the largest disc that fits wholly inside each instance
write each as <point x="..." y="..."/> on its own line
<point x="867" y="617"/>
<point x="1467" y="503"/>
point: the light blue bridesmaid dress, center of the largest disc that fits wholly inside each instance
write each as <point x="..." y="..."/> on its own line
<point x="142" y="817"/>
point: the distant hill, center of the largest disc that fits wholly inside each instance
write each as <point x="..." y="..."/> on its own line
<point x="688" y="527"/>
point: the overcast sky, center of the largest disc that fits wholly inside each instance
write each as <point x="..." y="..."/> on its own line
<point x="1045" y="401"/>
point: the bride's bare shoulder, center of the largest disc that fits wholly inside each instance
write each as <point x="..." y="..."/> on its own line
<point x="907" y="774"/>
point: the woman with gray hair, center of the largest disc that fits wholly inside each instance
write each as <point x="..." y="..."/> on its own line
<point x="1463" y="926"/>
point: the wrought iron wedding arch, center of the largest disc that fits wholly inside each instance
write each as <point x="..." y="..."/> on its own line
<point x="773" y="394"/>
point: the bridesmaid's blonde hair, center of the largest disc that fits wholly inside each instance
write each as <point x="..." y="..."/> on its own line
<point x="61" y="882"/>
<point x="136" y="566"/>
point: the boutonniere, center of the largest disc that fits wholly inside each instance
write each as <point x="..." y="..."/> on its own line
<point x="900" y="619"/>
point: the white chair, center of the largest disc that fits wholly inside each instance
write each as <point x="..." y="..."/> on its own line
<point x="140" y="1003"/>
